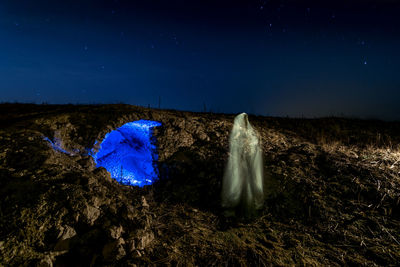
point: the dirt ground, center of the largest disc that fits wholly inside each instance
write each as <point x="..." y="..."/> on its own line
<point x="332" y="192"/>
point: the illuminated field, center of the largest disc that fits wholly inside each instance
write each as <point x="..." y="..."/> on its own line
<point x="128" y="153"/>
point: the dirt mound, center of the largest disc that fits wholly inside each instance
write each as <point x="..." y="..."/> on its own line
<point x="332" y="192"/>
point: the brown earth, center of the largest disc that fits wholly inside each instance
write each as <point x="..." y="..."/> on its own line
<point x="333" y="192"/>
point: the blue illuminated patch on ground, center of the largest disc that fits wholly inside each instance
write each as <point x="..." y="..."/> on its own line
<point x="56" y="145"/>
<point x="129" y="154"/>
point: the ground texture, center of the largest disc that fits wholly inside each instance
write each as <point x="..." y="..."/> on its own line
<point x="332" y="192"/>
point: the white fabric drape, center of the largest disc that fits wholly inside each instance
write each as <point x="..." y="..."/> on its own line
<point x="243" y="179"/>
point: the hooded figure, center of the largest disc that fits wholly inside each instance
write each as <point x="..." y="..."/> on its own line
<point x="242" y="186"/>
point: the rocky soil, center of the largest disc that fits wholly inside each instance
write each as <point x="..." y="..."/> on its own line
<point x="332" y="198"/>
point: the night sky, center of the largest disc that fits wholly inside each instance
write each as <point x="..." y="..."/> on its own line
<point x="279" y="58"/>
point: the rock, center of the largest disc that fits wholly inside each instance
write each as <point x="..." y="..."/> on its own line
<point x="66" y="232"/>
<point x="144" y="202"/>
<point x="64" y="238"/>
<point x="116" y="231"/>
<point x="97" y="201"/>
<point x="130" y="244"/>
<point x="91" y="213"/>
<point x="137" y="253"/>
<point x="114" y="250"/>
<point x="201" y="134"/>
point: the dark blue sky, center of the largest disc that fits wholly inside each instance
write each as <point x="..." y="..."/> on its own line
<point x="266" y="57"/>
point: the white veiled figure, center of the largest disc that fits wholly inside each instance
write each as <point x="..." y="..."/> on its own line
<point x="243" y="179"/>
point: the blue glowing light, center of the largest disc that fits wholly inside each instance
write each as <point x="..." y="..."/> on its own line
<point x="56" y="145"/>
<point x="129" y="154"/>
